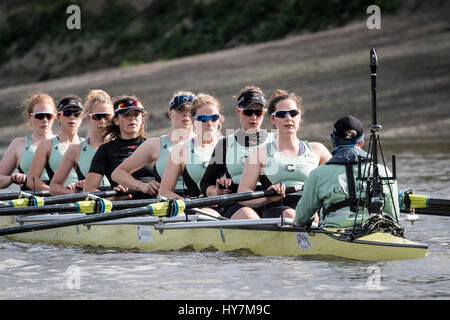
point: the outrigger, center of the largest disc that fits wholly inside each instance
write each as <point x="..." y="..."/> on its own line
<point x="158" y="224"/>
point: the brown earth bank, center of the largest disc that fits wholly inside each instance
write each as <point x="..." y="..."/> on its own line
<point x="329" y="69"/>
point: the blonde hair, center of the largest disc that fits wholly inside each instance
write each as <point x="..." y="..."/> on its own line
<point x="94" y="97"/>
<point x="29" y="103"/>
<point x="279" y="95"/>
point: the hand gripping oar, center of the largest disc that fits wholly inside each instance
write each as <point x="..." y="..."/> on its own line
<point x="172" y="206"/>
<point x="33" y="200"/>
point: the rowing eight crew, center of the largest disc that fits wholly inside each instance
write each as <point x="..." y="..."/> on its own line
<point x="193" y="159"/>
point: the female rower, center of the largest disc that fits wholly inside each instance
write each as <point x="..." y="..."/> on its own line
<point x="49" y="153"/>
<point x="287" y="161"/>
<point x="40" y="112"/>
<point x="99" y="110"/>
<point x="124" y="133"/>
<point x="190" y="158"/>
<point x="155" y="151"/>
<point x="334" y="187"/>
<point x="227" y="162"/>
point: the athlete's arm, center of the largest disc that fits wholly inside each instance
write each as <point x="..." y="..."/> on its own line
<point x="321" y="152"/>
<point x="174" y="168"/>
<point x="10" y="162"/>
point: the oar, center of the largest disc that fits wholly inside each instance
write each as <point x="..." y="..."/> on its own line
<point x="87" y="206"/>
<point x="155" y="209"/>
<point x="427" y="211"/>
<point x="410" y="200"/>
<point x="19" y="194"/>
<point x="21" y="202"/>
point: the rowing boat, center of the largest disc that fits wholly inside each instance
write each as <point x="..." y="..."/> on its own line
<point x="265" y="237"/>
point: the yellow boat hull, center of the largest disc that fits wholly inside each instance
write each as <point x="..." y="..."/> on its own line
<point x="259" y="241"/>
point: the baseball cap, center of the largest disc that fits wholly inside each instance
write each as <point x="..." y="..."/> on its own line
<point x="126" y="105"/>
<point x="178" y="101"/>
<point x="346" y="123"/>
<point x="69" y="103"/>
<point x="249" y="98"/>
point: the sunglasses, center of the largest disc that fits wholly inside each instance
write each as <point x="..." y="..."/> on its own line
<point x="99" y="116"/>
<point x="69" y="113"/>
<point x="178" y="101"/>
<point x="206" y="117"/>
<point x="251" y="112"/>
<point x="283" y="113"/>
<point x="42" y="115"/>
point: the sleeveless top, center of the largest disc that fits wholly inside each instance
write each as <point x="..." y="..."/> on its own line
<point x="84" y="162"/>
<point x="54" y="161"/>
<point x="237" y="153"/>
<point x="196" y="163"/>
<point x="288" y="170"/>
<point x="165" y="148"/>
<point x="27" y="158"/>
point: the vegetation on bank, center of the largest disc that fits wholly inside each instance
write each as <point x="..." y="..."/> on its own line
<point x="124" y="32"/>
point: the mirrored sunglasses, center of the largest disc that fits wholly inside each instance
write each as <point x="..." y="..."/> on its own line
<point x="283" y="113"/>
<point x="43" y="115"/>
<point x="251" y="112"/>
<point x="68" y="113"/>
<point x="99" y="116"/>
<point x="207" y="117"/>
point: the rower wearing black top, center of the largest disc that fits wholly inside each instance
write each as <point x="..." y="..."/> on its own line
<point x="125" y="133"/>
<point x="224" y="171"/>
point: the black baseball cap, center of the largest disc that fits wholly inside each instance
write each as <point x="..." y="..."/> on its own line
<point x="249" y="98"/>
<point x="126" y="105"/>
<point x="346" y="123"/>
<point x="69" y="103"/>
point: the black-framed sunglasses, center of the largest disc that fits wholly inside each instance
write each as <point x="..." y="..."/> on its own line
<point x="251" y="112"/>
<point x="68" y="113"/>
<point x="283" y="113"/>
<point x="100" y="115"/>
<point x="43" y="115"/>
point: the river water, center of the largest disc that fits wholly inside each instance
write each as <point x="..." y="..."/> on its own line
<point x="40" y="271"/>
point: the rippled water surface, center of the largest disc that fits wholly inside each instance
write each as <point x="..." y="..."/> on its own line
<point x="40" y="271"/>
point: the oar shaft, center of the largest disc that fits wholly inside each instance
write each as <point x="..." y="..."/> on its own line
<point x="234" y="197"/>
<point x="13" y="195"/>
<point x="72" y="207"/>
<point x="75" y="221"/>
<point x="428" y="211"/>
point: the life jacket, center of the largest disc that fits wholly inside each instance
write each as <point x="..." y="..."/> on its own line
<point x="347" y="156"/>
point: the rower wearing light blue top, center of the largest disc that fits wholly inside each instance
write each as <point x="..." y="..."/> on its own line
<point x="39" y="112"/>
<point x="99" y="110"/>
<point x="155" y="151"/>
<point x="287" y="161"/>
<point x="49" y="153"/>
<point x="224" y="171"/>
<point x="190" y="159"/>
